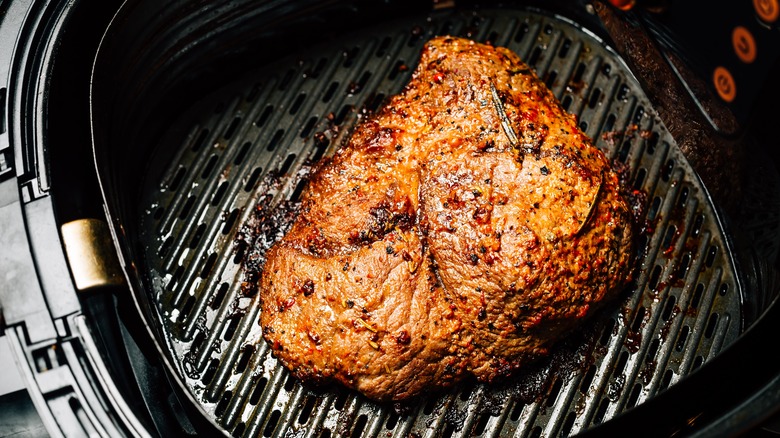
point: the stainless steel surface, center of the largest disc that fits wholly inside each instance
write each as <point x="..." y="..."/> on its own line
<point x="247" y="148"/>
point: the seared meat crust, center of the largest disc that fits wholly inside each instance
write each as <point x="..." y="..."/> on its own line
<point x="439" y="242"/>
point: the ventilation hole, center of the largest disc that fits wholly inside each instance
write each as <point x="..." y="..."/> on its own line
<point x="264" y="116"/>
<point x="165" y="247"/>
<point x="242" y="153"/>
<point x="639" y="319"/>
<point x="209" y="167"/>
<point x="200" y="140"/>
<point x="318" y="68"/>
<point x="449" y="430"/>
<point x="638" y="114"/>
<point x="711" y="325"/>
<point x="640" y="178"/>
<point x="607" y="332"/>
<point x="174" y="281"/>
<point x="219" y="411"/>
<point x="654" y="208"/>
<point x="671" y="301"/>
<point x="535" y="55"/>
<point x="197" y="235"/>
<point x="287" y="164"/>
<point x="177" y="179"/>
<point x="554" y="392"/>
<point x="243" y="360"/>
<point x="609" y="123"/>
<point x="724" y="288"/>
<point x="482" y="424"/>
<point x="212" y="259"/>
<point x="257" y="393"/>
<point x="656" y="275"/>
<point x="624" y="151"/>
<point x="253" y="178"/>
<point x="341" y="401"/>
<point x="298" y="190"/>
<point x="430" y="405"/>
<point x="231" y="220"/>
<point x="587" y="379"/>
<point x="601" y="411"/>
<point x="634" y="397"/>
<point x="521" y="32"/>
<point x="239" y="429"/>
<point x="187" y="207"/>
<point x="667" y="246"/>
<point x="185" y="311"/>
<point x="697" y="362"/>
<point x="211" y="371"/>
<point x="548" y="29"/>
<point x="325" y="433"/>
<point x="517" y="410"/>
<point x="286" y="79"/>
<point x="666" y="173"/>
<point x="698" y="221"/>
<point x="297" y="103"/>
<point x="230" y="329"/>
<point x="651" y="143"/>
<point x="666" y="380"/>
<point x="711" y="256"/>
<point x="566" y="102"/>
<point x="219" y="193"/>
<point x="651" y="352"/>
<point x="551" y="76"/>
<point x="360" y="424"/>
<point x="564" y="50"/>
<point x="375" y="101"/>
<point x="361" y="83"/>
<point x="584" y="125"/>
<point x="275" y="139"/>
<point x="392" y="420"/>
<point x="273" y="420"/>
<point x="577" y="78"/>
<point x="232" y="127"/>
<point x="683" y="266"/>
<point x="399" y="67"/>
<point x="216" y="302"/>
<point x="158" y="213"/>
<point x="595" y="95"/>
<point x="682" y="338"/>
<point x="197" y="344"/>
<point x="622" y="93"/>
<point x="465" y="393"/>
<point x="308" y="408"/>
<point x="683" y="199"/>
<point x="492" y="38"/>
<point x="306" y="131"/>
<point x="289" y="384"/>
<point x="253" y="93"/>
<point x="349" y="56"/>
<point x="697" y="296"/>
<point x="621" y="364"/>
<point x="339" y="119"/>
<point x="330" y="92"/>
<point x="382" y="49"/>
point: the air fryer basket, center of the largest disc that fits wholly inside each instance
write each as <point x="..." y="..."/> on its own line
<point x="190" y="179"/>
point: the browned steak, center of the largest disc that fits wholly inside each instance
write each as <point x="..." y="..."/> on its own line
<point x="462" y="230"/>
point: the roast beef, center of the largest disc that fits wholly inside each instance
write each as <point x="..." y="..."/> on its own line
<point x="464" y="228"/>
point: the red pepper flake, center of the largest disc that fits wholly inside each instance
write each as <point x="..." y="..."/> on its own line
<point x="438" y="77"/>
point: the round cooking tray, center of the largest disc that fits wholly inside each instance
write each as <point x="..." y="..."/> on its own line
<point x="238" y="160"/>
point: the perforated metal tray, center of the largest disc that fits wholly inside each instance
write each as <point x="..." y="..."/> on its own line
<point x="246" y="148"/>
